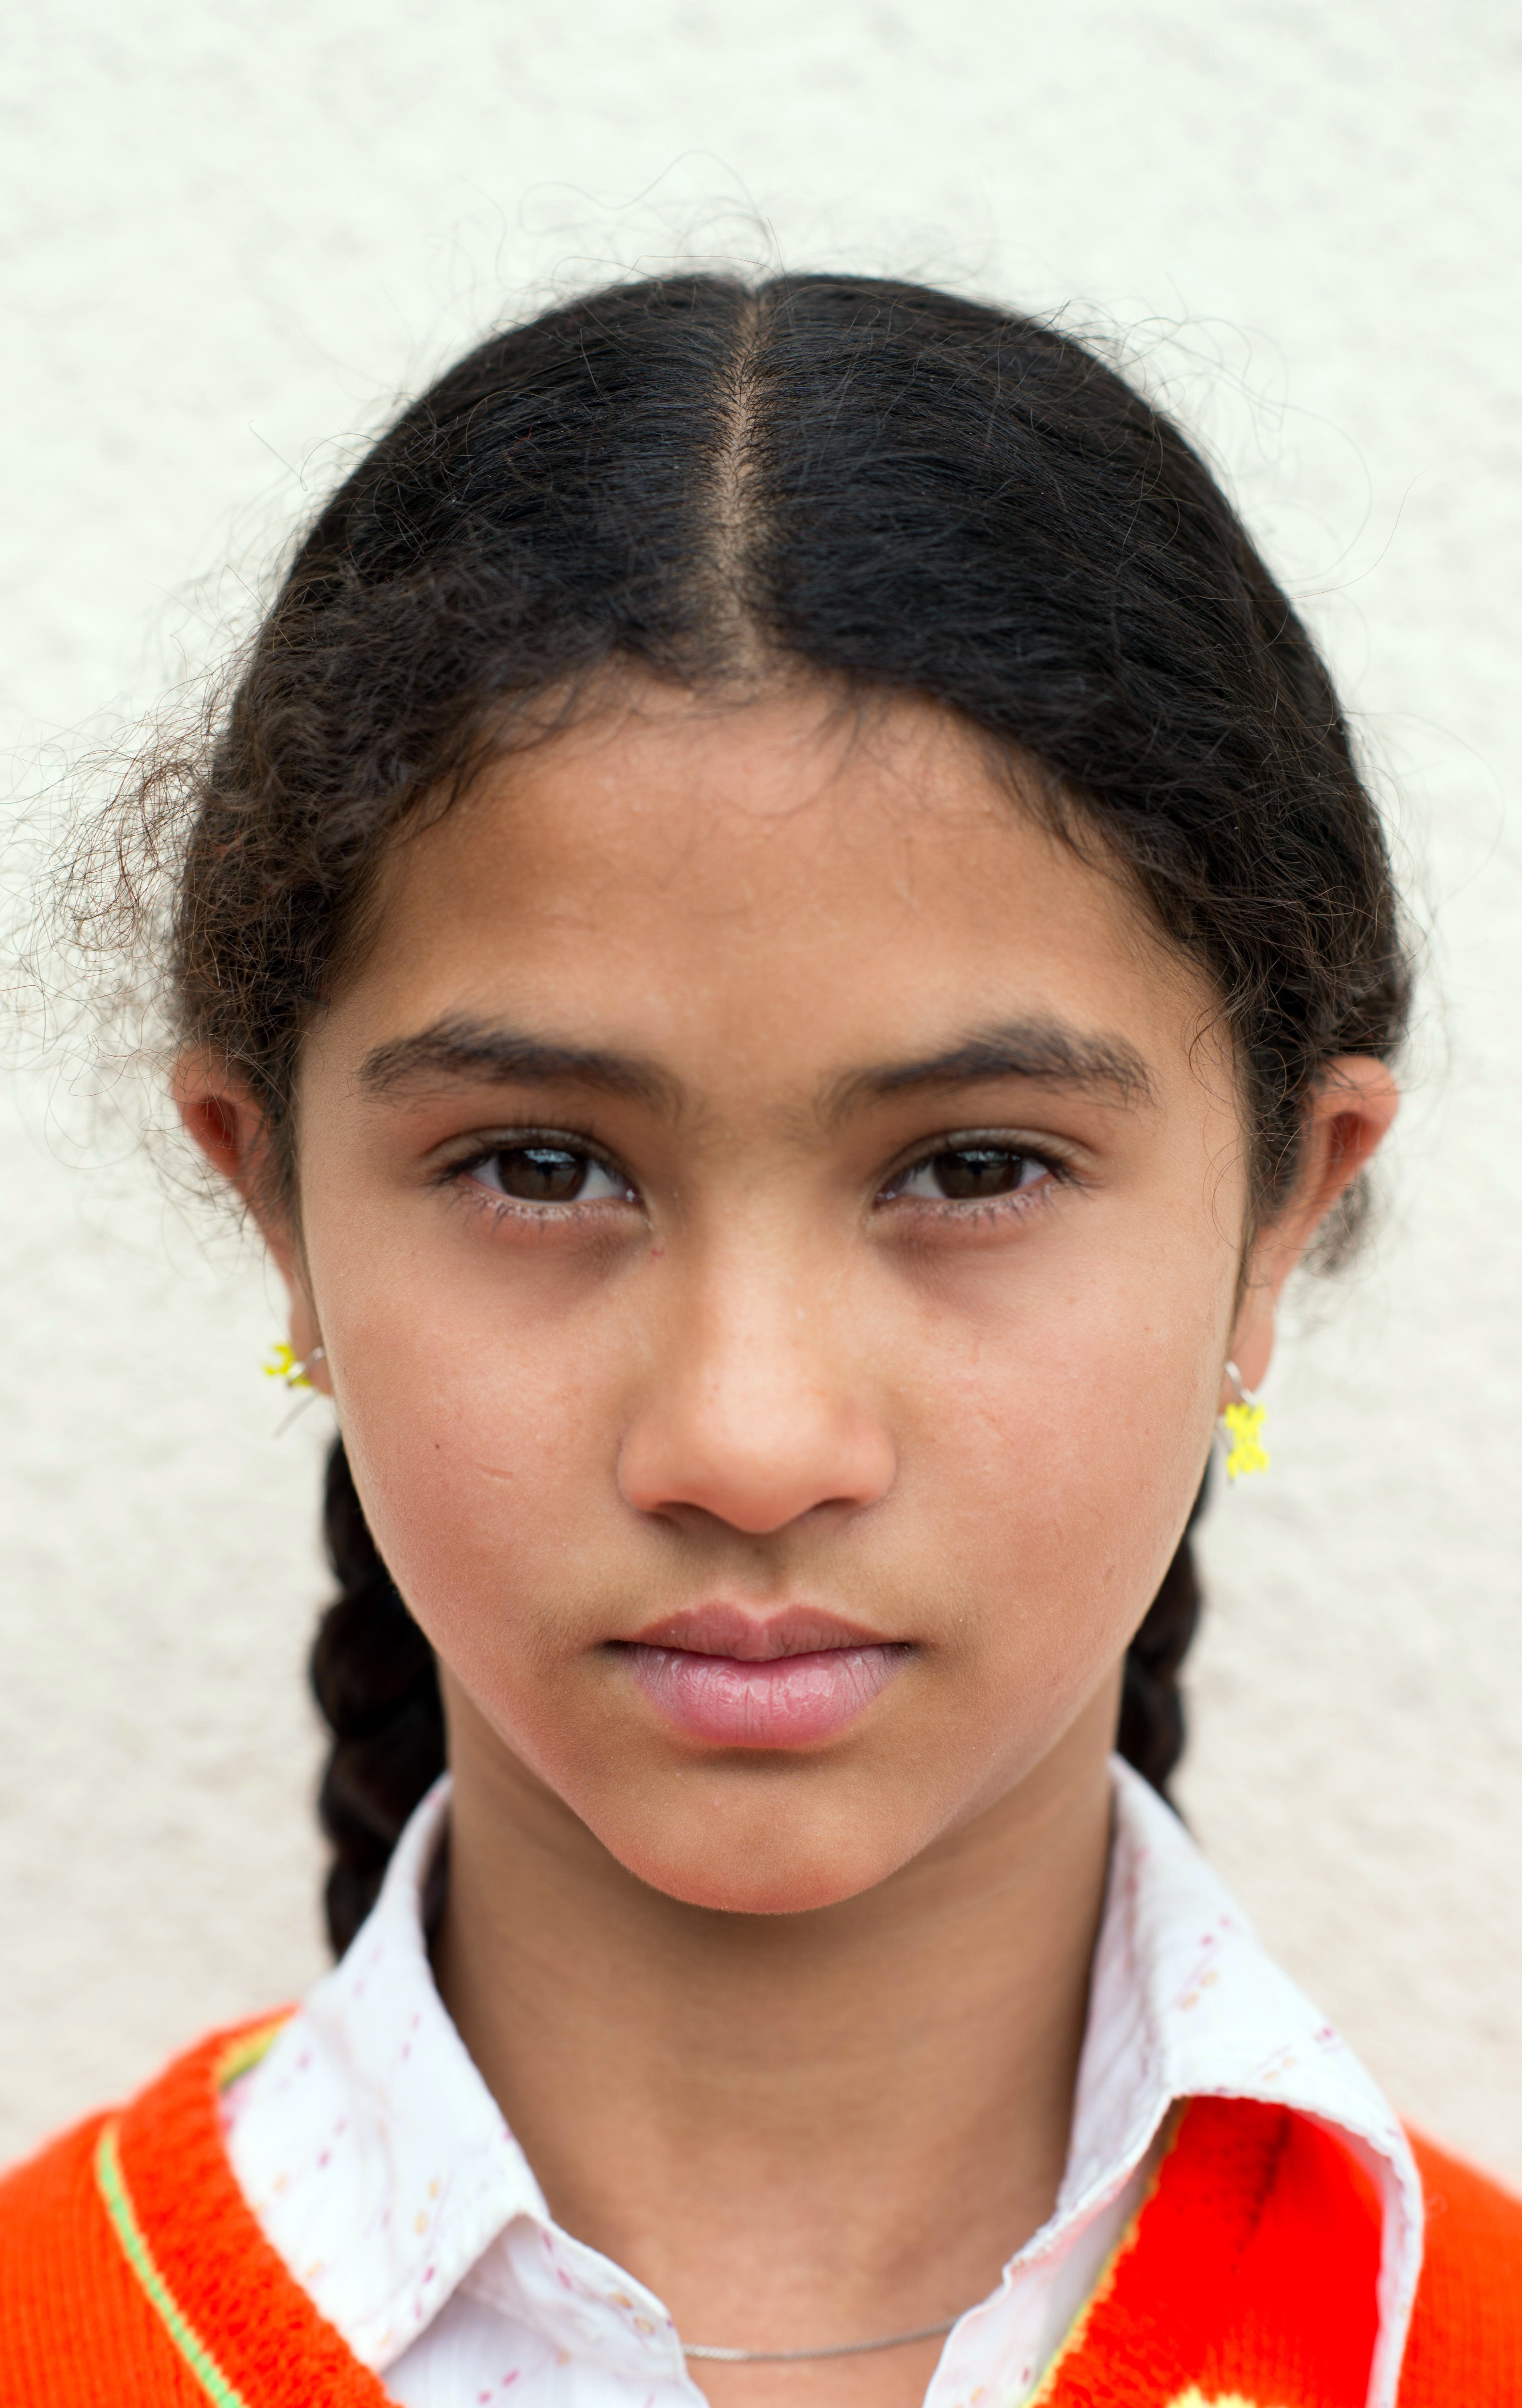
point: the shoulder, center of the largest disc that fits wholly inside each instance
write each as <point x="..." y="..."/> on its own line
<point x="1466" y="2333"/>
<point x="132" y="2268"/>
<point x="69" y="2306"/>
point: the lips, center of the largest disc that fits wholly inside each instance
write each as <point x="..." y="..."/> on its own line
<point x="776" y="1680"/>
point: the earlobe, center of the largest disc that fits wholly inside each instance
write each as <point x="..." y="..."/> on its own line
<point x="1251" y="1348"/>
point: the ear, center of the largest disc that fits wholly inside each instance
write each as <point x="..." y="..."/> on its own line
<point x="223" y="1118"/>
<point x="1346" y="1122"/>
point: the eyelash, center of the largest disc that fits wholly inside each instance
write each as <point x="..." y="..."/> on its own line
<point x="968" y="1210"/>
<point x="458" y="1175"/>
<point x="1021" y="1199"/>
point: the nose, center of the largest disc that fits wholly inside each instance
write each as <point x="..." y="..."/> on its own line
<point x="750" y="1414"/>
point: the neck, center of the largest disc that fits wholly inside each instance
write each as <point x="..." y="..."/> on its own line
<point x="795" y="2128"/>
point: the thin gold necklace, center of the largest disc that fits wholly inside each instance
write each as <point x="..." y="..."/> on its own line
<point x="790" y="2356"/>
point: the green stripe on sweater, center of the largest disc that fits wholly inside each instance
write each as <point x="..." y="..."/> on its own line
<point x="113" y="2190"/>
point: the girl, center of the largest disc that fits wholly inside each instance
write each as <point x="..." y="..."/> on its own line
<point x="783" y="938"/>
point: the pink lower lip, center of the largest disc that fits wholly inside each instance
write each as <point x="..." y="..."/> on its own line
<point x="784" y="1702"/>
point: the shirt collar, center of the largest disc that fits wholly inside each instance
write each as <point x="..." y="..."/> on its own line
<point x="366" y="2141"/>
<point x="1186" y="2003"/>
<point x="382" y="2168"/>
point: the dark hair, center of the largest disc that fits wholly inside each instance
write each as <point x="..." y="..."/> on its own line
<point x="892" y="488"/>
<point x="377" y="1686"/>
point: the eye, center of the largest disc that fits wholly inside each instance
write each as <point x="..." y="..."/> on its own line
<point x="971" y="1174"/>
<point x="544" y="1173"/>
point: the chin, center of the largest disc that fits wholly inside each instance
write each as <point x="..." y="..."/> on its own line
<point x="760" y="1869"/>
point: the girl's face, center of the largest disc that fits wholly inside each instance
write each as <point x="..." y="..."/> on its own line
<point x="774" y="1217"/>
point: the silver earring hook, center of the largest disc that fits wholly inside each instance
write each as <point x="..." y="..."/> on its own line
<point x="293" y="1374"/>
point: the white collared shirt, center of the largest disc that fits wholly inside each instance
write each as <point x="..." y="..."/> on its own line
<point x="381" y="2170"/>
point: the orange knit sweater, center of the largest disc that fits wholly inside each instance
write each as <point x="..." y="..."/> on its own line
<point x="133" y="2274"/>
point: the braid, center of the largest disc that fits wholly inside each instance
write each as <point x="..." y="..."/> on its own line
<point x="375" y="1679"/>
<point x="1152" y="1727"/>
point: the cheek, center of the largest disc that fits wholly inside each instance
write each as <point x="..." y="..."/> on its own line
<point x="482" y="1448"/>
<point x="1062" y="1456"/>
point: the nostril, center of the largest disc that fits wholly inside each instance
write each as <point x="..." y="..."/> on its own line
<point x="751" y="1480"/>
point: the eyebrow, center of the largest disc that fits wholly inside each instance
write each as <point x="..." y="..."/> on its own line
<point x="470" y="1049"/>
<point x="1047" y="1051"/>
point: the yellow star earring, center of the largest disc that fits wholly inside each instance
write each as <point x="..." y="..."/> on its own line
<point x="282" y="1365"/>
<point x="1243" y="1418"/>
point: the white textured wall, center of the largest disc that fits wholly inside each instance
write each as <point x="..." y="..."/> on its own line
<point x="230" y="230"/>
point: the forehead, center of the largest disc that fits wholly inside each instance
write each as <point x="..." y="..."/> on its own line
<point x="789" y="872"/>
